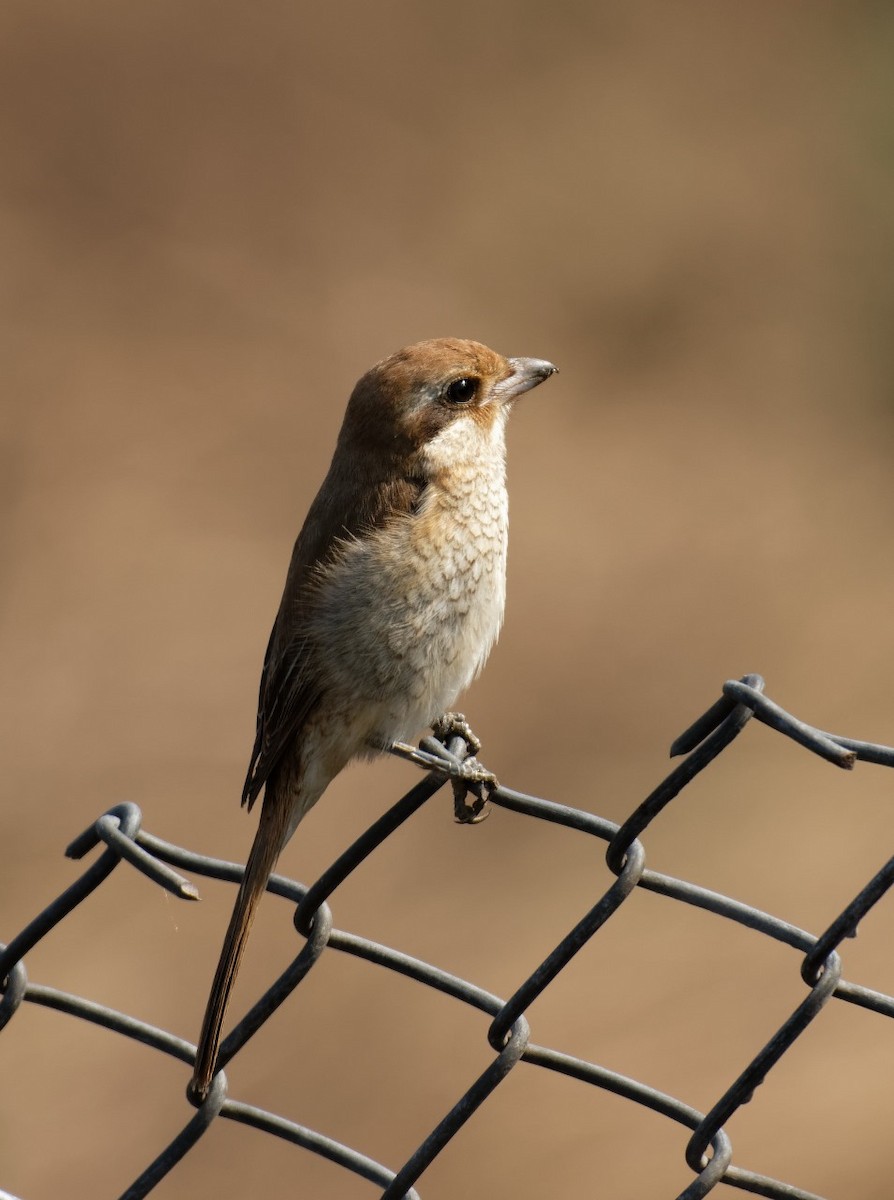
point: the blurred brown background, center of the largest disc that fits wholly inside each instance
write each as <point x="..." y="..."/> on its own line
<point x="214" y="217"/>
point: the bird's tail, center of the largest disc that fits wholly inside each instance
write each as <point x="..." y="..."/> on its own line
<point x="269" y="840"/>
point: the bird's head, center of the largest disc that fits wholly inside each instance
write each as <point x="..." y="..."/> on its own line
<point x="437" y="396"/>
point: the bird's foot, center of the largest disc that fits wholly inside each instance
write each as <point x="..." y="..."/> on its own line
<point x="453" y="724"/>
<point x="473" y="784"/>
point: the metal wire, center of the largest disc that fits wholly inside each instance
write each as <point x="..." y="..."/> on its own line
<point x="708" y="1151"/>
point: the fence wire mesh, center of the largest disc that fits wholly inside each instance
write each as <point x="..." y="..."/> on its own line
<point x="708" y="1149"/>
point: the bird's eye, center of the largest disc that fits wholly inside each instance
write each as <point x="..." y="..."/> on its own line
<point x="461" y="391"/>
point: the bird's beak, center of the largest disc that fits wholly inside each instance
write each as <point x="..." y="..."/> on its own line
<point x="527" y="373"/>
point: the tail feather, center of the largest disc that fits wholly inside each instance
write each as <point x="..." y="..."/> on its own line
<point x="265" y="850"/>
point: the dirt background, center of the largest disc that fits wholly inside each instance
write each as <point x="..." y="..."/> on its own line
<point x="213" y="218"/>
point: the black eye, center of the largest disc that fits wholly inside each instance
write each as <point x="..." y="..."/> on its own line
<point x="461" y="391"/>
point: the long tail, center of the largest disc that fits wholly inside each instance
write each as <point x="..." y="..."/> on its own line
<point x="269" y="840"/>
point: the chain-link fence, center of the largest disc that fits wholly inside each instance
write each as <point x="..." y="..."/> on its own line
<point x="707" y="1148"/>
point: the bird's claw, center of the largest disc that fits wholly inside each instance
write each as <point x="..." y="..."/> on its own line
<point x="454" y="724"/>
<point x="471" y="795"/>
<point x="472" y="783"/>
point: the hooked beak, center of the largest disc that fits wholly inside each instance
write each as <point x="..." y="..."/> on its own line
<point x="527" y="373"/>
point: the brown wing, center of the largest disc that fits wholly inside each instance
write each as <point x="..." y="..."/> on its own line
<point x="285" y="701"/>
<point x="290" y="689"/>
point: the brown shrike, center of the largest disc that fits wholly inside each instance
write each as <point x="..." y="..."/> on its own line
<point x="393" y="599"/>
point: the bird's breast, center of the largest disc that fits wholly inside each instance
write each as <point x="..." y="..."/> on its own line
<point x="410" y="611"/>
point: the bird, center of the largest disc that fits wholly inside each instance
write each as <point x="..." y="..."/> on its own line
<point x="393" y="599"/>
